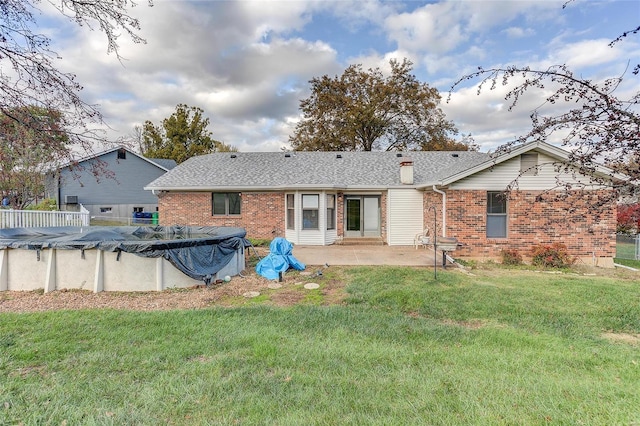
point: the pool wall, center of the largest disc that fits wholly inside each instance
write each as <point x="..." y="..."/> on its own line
<point x="96" y="270"/>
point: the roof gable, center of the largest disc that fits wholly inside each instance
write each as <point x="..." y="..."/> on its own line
<point x="557" y="153"/>
<point x="164" y="164"/>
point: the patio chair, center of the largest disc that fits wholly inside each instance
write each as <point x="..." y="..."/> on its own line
<point x="422" y="239"/>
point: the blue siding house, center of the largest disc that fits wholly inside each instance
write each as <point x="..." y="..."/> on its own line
<point x="116" y="191"/>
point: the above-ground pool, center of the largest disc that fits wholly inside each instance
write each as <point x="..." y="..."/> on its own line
<point x="127" y="258"/>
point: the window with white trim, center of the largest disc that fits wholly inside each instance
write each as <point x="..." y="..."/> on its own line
<point x="331" y="211"/>
<point x="496" y="214"/>
<point x="291" y="211"/>
<point x="225" y="203"/>
<point x="310" y="206"/>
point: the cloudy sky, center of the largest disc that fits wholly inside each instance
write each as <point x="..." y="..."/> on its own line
<point x="247" y="64"/>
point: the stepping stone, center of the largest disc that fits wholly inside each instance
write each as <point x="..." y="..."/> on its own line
<point x="274" y="286"/>
<point x="305" y="273"/>
<point x="311" y="286"/>
<point x="250" y="294"/>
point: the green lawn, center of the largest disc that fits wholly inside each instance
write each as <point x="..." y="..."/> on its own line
<point x="501" y="346"/>
<point x="625" y="250"/>
<point x="628" y="262"/>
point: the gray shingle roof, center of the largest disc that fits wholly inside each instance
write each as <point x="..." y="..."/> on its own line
<point x="164" y="162"/>
<point x="270" y="170"/>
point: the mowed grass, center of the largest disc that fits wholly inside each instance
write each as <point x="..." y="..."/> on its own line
<point x="505" y="347"/>
<point x="625" y="250"/>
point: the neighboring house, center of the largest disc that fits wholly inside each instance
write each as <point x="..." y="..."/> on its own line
<point x="321" y="198"/>
<point x="116" y="191"/>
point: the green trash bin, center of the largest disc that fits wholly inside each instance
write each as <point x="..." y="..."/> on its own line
<point x="154" y="218"/>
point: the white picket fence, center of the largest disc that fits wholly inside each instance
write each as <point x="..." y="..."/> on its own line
<point x="34" y="218"/>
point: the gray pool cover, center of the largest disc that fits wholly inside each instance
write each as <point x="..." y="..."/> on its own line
<point x="199" y="252"/>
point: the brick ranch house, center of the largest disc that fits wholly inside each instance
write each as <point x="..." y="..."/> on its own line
<point x="321" y="198"/>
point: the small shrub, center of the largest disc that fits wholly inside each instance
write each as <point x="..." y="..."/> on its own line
<point x="511" y="257"/>
<point x="48" y="204"/>
<point x="555" y="255"/>
<point x="471" y="264"/>
<point x="259" y="242"/>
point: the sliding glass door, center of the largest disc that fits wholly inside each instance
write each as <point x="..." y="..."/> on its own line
<point x="362" y="216"/>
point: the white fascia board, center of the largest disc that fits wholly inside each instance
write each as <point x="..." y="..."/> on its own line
<point x="278" y="188"/>
<point x="312" y="187"/>
<point x="210" y="188"/>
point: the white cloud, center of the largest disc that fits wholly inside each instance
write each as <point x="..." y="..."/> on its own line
<point x="248" y="63"/>
<point x="488" y="117"/>
<point x="432" y="28"/>
<point x="518" y="32"/>
<point x="442" y="27"/>
<point x="586" y="53"/>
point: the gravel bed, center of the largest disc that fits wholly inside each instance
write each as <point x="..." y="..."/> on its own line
<point x="190" y="298"/>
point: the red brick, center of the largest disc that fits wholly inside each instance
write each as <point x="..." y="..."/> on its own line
<point x="262" y="213"/>
<point x="529" y="223"/>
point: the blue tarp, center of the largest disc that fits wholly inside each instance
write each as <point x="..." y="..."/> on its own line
<point x="278" y="260"/>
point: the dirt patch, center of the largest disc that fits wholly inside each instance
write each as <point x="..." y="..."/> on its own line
<point x="473" y="324"/>
<point x="198" y="297"/>
<point x="333" y="292"/>
<point x="631" y="339"/>
<point x="287" y="297"/>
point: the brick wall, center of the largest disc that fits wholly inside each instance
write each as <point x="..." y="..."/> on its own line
<point x="383" y="216"/>
<point x="340" y="215"/>
<point x="262" y="213"/>
<point x="529" y="222"/>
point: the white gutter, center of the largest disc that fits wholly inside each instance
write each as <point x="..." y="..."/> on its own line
<point x="278" y="188"/>
<point x="444" y="210"/>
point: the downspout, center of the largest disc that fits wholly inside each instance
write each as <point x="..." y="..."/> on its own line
<point x="444" y="210"/>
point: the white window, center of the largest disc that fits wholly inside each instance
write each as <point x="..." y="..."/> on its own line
<point x="496" y="215"/>
<point x="310" y="205"/>
<point x="291" y="211"/>
<point x="331" y="211"/>
<point x="529" y="164"/>
<point x="105" y="210"/>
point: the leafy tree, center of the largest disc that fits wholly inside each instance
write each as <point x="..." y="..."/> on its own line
<point x="31" y="141"/>
<point x="28" y="74"/>
<point x="596" y="127"/>
<point x="364" y="111"/>
<point x="629" y="218"/>
<point x="181" y="136"/>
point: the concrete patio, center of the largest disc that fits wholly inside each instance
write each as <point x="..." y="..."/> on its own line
<point x="365" y="255"/>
